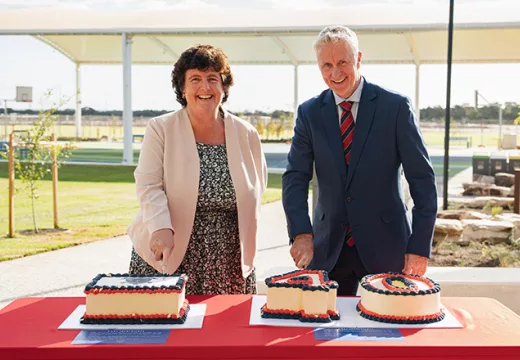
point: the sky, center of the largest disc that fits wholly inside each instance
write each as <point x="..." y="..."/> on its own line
<point x="25" y="61"/>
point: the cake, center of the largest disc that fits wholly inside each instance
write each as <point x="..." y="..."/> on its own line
<point x="400" y="299"/>
<point x="136" y="299"/>
<point x="306" y="295"/>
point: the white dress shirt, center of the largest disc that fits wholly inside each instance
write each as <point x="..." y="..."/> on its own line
<point x="355" y="97"/>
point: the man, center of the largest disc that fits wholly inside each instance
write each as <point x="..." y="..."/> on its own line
<point x="357" y="135"/>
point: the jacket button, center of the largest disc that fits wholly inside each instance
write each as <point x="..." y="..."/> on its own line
<point x="349" y="199"/>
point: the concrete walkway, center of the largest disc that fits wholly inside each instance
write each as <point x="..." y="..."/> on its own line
<point x="65" y="272"/>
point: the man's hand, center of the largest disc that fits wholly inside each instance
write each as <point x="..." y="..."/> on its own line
<point x="415" y="264"/>
<point x="302" y="250"/>
<point x="161" y="244"/>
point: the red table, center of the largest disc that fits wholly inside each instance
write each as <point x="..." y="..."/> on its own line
<point x="28" y="330"/>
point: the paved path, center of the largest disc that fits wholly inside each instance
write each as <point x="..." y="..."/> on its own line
<point x="65" y="272"/>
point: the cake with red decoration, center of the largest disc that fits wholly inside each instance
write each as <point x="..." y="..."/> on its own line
<point x="136" y="299"/>
<point x="400" y="299"/>
<point x="305" y="295"/>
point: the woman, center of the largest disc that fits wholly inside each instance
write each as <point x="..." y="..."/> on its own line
<point x="199" y="180"/>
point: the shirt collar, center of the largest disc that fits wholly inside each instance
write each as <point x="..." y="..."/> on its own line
<point x="355" y="97"/>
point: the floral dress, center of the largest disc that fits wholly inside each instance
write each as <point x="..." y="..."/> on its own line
<point x="212" y="260"/>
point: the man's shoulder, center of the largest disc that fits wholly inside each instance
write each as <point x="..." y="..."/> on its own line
<point x="386" y="93"/>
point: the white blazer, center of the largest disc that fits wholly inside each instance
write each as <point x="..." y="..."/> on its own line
<point x="167" y="184"/>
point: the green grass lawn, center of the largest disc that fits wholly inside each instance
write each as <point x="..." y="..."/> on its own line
<point x="89" y="211"/>
<point x="95" y="202"/>
<point x="100" y="155"/>
<point x="453" y="169"/>
<point x="113" y="173"/>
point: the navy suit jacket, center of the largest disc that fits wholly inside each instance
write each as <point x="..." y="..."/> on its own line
<point x="366" y="194"/>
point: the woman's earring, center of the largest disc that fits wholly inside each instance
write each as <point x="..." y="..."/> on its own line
<point x="183" y="96"/>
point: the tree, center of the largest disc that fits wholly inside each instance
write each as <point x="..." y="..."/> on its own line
<point x="271" y="129"/>
<point x="517" y="120"/>
<point x="459" y="113"/>
<point x="260" y="126"/>
<point x="281" y="127"/>
<point x="33" y="159"/>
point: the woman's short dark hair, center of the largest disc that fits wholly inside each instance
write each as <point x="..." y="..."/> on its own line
<point x="201" y="57"/>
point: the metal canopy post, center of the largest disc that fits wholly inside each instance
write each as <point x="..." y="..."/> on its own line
<point x="417" y="61"/>
<point x="295" y="105"/>
<point x="417" y="92"/>
<point x="78" y="101"/>
<point x="128" y="153"/>
<point x="447" y="119"/>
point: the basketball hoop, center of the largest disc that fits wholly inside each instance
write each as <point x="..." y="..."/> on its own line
<point x="23" y="94"/>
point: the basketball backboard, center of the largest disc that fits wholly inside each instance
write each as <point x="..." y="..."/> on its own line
<point x="23" y="94"/>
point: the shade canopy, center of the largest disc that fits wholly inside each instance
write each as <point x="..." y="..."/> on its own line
<point x="484" y="33"/>
<point x="393" y="34"/>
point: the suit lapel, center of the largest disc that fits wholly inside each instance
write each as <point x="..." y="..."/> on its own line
<point x="330" y="121"/>
<point x="365" y="115"/>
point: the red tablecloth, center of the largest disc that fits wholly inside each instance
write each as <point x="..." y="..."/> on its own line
<point x="29" y="330"/>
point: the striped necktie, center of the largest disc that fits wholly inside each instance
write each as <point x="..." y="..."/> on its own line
<point x="347" y="134"/>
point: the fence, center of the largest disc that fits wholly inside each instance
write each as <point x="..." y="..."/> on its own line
<point x="93" y="126"/>
<point x="110" y="128"/>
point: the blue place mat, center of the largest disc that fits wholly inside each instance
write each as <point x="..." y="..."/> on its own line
<point x="357" y="334"/>
<point x="92" y="337"/>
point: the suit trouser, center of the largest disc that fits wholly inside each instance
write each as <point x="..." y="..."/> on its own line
<point x="348" y="271"/>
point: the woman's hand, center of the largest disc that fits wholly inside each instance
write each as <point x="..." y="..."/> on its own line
<point x="161" y="244"/>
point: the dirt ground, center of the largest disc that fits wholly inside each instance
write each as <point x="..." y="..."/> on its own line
<point x="476" y="255"/>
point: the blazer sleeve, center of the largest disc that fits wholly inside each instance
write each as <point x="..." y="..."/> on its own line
<point x="295" y="180"/>
<point x="259" y="157"/>
<point x="419" y="173"/>
<point x="149" y="180"/>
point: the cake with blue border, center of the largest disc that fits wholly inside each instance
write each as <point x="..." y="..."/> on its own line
<point x="304" y="295"/>
<point x="400" y="299"/>
<point x="136" y="299"/>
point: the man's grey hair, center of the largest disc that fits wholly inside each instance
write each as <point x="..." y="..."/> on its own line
<point x="336" y="33"/>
